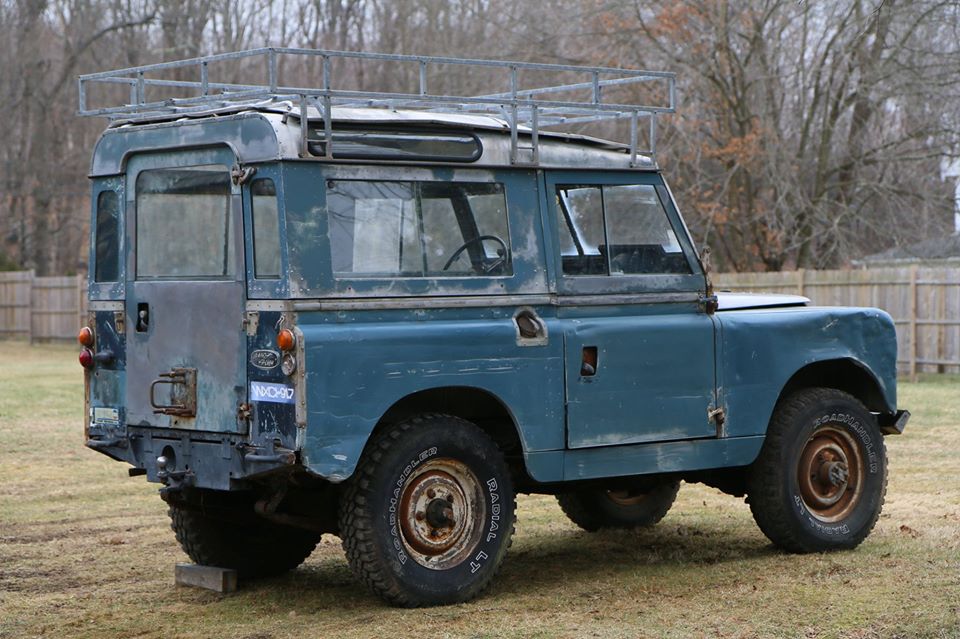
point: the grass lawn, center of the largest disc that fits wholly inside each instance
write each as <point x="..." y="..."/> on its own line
<point x="86" y="551"/>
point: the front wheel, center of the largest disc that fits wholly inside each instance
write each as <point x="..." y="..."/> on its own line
<point x="429" y="513"/>
<point x="821" y="477"/>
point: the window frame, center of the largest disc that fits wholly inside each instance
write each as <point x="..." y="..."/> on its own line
<point x="273" y="287"/>
<point x="113" y="290"/>
<point x="621" y="283"/>
<point x="231" y="248"/>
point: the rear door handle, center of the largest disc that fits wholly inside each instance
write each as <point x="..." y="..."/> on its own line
<point x="143" y="317"/>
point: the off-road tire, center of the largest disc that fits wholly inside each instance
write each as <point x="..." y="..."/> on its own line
<point x="813" y="429"/>
<point x="413" y="466"/>
<point x="597" y="509"/>
<point x="248" y="544"/>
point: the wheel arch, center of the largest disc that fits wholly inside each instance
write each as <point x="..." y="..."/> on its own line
<point x="477" y="405"/>
<point x="845" y="374"/>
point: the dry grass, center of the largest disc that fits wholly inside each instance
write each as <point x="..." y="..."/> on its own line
<point x="87" y="552"/>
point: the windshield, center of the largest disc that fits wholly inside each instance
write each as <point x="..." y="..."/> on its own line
<point x="183" y="223"/>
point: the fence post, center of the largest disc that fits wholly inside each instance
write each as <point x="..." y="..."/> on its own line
<point x="801" y="280"/>
<point x="914" y="342"/>
<point x="30" y="280"/>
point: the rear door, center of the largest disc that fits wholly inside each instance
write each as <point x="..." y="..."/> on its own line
<point x="185" y="292"/>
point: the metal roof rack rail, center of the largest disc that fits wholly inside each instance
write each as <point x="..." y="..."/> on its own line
<point x="530" y="109"/>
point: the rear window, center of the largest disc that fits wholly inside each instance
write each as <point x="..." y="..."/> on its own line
<point x="418" y="229"/>
<point x="183" y="223"/>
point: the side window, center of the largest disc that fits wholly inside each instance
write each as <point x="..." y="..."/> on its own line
<point x="107" y="254"/>
<point x="418" y="229"/>
<point x="582" y="236"/>
<point x="616" y="230"/>
<point x="266" y="229"/>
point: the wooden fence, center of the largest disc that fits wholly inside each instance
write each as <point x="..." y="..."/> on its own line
<point x="41" y="308"/>
<point x="924" y="303"/>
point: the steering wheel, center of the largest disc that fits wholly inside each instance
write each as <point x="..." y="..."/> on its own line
<point x="480" y="238"/>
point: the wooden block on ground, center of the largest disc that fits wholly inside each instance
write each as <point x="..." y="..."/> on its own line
<point x="209" y="577"/>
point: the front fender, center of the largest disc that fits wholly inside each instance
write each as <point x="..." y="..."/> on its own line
<point x="760" y="351"/>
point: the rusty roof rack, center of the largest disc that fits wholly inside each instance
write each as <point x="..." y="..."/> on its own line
<point x="529" y="109"/>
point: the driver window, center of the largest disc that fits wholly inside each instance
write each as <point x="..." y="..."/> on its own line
<point x="616" y="230"/>
<point x="418" y="229"/>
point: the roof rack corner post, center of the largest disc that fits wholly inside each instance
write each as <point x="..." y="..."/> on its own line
<point x="81" y="96"/>
<point x="634" y="115"/>
<point x="653" y="135"/>
<point x="514" y="143"/>
<point x="327" y="109"/>
<point x="304" y="142"/>
<point x="141" y="89"/>
<point x="535" y="133"/>
<point x="423" y="77"/>
<point x="272" y="69"/>
<point x="204" y="78"/>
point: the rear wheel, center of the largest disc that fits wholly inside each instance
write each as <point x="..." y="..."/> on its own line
<point x="429" y="513"/>
<point x="821" y="477"/>
<point x="239" y="540"/>
<point x="596" y="509"/>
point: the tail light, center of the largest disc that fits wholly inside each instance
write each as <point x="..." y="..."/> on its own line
<point x="286" y="340"/>
<point x="86" y="358"/>
<point x="85" y="336"/>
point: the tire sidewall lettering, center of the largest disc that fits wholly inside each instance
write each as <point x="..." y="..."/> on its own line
<point x="856" y="428"/>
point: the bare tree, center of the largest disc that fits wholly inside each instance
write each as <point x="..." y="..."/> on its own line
<point x="808" y="133"/>
<point x="806" y="136"/>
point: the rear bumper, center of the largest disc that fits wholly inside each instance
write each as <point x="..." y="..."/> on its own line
<point x="217" y="461"/>
<point x="893" y="424"/>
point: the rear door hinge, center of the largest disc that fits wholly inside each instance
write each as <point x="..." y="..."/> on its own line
<point x="251" y="321"/>
<point x="241" y="175"/>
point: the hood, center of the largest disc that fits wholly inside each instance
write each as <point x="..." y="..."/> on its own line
<point x="737" y="301"/>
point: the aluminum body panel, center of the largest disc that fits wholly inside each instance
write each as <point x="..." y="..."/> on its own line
<point x="760" y="350"/>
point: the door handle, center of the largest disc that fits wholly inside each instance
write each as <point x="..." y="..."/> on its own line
<point x="143" y="317"/>
<point x="588" y="361"/>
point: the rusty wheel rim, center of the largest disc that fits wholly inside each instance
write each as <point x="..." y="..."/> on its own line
<point x="441" y="512"/>
<point x="830" y="474"/>
<point x="626" y="497"/>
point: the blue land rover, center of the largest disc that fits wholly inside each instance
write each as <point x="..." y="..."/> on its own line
<point x="382" y="315"/>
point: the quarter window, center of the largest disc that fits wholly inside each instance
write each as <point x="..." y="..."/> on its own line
<point x="266" y="229"/>
<point x="616" y="230"/>
<point x="418" y="229"/>
<point x="107" y="255"/>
